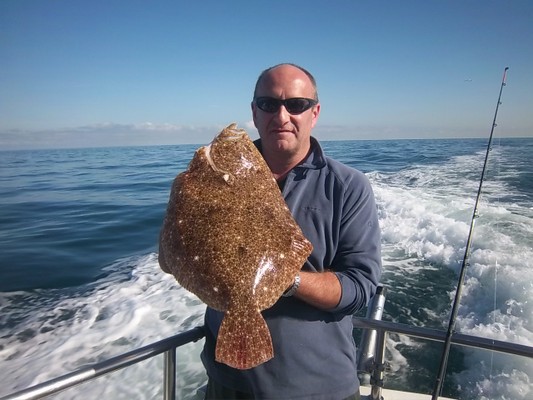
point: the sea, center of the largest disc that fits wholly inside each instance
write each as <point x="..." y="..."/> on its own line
<point x="80" y="280"/>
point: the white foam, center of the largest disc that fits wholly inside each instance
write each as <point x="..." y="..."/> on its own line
<point x="117" y="316"/>
<point x="425" y="212"/>
<point x="424" y="215"/>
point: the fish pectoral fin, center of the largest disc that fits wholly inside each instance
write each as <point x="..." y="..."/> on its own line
<point x="243" y="340"/>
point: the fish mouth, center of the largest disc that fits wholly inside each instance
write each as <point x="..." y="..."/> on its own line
<point x="225" y="174"/>
<point x="229" y="133"/>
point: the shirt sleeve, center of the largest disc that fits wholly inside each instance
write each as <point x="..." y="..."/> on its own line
<point x="357" y="262"/>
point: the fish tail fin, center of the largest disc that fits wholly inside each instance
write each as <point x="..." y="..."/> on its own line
<point x="244" y="340"/>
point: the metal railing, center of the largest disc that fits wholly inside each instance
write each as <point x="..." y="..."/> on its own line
<point x="371" y="353"/>
<point x="167" y="346"/>
<point x="375" y="366"/>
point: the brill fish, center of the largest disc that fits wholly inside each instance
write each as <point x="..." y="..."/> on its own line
<point x="229" y="238"/>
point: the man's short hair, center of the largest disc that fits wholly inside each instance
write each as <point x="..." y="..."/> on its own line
<point x="309" y="75"/>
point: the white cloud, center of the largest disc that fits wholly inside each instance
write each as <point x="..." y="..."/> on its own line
<point x="109" y="134"/>
<point x="150" y="126"/>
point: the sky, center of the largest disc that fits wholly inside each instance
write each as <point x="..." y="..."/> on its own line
<point x="77" y="73"/>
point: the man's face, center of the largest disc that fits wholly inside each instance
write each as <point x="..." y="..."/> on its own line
<point x="281" y="131"/>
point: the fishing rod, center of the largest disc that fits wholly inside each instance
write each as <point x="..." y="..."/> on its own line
<point x="455" y="308"/>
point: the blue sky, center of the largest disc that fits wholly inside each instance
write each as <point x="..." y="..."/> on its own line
<point x="79" y="73"/>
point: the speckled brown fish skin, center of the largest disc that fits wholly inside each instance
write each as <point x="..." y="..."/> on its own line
<point x="229" y="238"/>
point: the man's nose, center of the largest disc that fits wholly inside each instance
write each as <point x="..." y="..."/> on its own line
<point x="282" y="114"/>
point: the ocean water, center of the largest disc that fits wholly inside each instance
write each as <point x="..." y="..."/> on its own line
<point x="80" y="282"/>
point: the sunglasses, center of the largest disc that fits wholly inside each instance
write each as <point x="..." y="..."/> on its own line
<point x="295" y="105"/>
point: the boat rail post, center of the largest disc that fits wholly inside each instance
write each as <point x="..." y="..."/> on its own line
<point x="372" y="349"/>
<point x="367" y="349"/>
<point x="169" y="375"/>
<point x="376" y="379"/>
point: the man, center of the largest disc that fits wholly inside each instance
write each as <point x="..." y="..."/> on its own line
<point x="311" y="326"/>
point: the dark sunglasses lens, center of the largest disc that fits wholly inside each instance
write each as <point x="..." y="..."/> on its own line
<point x="297" y="106"/>
<point x="268" y="105"/>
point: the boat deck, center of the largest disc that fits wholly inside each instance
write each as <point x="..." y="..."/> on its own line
<point x="388" y="394"/>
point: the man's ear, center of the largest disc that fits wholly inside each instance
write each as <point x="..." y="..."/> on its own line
<point x="316" y="113"/>
<point x="254" y="112"/>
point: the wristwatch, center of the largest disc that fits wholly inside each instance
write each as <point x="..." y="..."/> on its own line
<point x="292" y="290"/>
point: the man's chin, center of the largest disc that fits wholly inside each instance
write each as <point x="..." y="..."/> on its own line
<point x="282" y="145"/>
